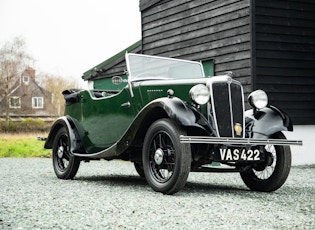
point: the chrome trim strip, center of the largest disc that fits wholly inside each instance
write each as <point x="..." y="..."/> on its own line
<point x="243" y="107"/>
<point x="243" y="103"/>
<point x="229" y="82"/>
<point x="236" y="141"/>
<point x="214" y="114"/>
<point x="128" y="74"/>
<point x="172" y="82"/>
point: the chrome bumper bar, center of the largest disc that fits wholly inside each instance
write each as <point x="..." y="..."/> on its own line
<point x="236" y="141"/>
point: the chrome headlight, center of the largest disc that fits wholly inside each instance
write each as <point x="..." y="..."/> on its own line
<point x="200" y="94"/>
<point x="258" y="99"/>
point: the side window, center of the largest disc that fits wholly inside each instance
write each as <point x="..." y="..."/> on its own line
<point x="15" y="102"/>
<point x="208" y="66"/>
<point x="37" y="102"/>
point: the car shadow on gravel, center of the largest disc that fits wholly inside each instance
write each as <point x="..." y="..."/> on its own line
<point x="115" y="180"/>
<point x="139" y="182"/>
<point x="207" y="188"/>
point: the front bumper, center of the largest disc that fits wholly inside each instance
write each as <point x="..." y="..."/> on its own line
<point x="236" y="141"/>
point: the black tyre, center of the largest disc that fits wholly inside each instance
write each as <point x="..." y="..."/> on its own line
<point x="139" y="169"/>
<point x="65" y="164"/>
<point x="166" y="162"/>
<point x="272" y="174"/>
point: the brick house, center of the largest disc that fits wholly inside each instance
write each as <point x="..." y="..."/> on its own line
<point x="28" y="99"/>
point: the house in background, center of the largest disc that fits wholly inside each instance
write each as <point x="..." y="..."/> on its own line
<point x="28" y="99"/>
<point x="268" y="45"/>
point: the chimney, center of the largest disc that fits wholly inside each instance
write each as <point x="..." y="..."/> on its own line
<point x="31" y="72"/>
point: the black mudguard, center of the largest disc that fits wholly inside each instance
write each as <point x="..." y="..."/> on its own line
<point x="266" y="122"/>
<point x="69" y="124"/>
<point x="173" y="108"/>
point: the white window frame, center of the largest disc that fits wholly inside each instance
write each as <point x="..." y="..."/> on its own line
<point x="37" y="102"/>
<point x="12" y="106"/>
<point x="25" y="79"/>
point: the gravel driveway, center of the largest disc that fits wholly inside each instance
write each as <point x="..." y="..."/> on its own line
<point x="110" y="195"/>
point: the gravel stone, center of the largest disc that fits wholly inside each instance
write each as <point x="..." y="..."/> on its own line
<point x="110" y="195"/>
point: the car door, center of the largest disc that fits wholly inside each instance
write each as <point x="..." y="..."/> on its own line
<point x="105" y="119"/>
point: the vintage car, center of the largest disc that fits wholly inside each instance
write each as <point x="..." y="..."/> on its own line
<point x="170" y="119"/>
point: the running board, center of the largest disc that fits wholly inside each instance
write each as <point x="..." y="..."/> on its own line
<point x="217" y="170"/>
<point x="109" y="153"/>
<point x="236" y="141"/>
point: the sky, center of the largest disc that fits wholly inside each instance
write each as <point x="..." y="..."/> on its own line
<point x="68" y="37"/>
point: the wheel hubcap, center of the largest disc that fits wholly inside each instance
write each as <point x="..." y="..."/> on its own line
<point x="270" y="158"/>
<point x="60" y="151"/>
<point x="158" y="156"/>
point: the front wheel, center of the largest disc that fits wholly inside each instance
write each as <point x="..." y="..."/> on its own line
<point x="270" y="175"/>
<point x="166" y="162"/>
<point x="139" y="169"/>
<point x="65" y="164"/>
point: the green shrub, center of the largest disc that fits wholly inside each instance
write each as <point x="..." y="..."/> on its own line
<point x="32" y="125"/>
<point x="10" y="126"/>
<point x="27" y="125"/>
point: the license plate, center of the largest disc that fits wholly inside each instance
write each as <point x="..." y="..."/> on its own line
<point x="228" y="154"/>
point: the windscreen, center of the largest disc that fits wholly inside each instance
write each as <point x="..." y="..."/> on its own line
<point x="142" y="67"/>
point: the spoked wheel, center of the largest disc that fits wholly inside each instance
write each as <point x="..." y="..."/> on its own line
<point x="270" y="175"/>
<point x="166" y="162"/>
<point x="65" y="164"/>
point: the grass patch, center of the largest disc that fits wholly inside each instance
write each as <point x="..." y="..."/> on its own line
<point x="22" y="145"/>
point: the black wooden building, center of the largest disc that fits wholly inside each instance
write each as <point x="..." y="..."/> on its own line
<point x="268" y="44"/>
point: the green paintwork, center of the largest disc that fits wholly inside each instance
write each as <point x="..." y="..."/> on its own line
<point x="107" y="83"/>
<point x="105" y="120"/>
<point x="150" y="91"/>
<point x="155" y="90"/>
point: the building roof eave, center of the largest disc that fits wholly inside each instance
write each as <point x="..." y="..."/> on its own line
<point x="144" y="4"/>
<point x="105" y="64"/>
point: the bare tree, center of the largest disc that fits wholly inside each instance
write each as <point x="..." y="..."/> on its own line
<point x="57" y="84"/>
<point x="13" y="61"/>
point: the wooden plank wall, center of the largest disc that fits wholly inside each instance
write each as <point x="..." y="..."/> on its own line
<point x="200" y="30"/>
<point x="285" y="56"/>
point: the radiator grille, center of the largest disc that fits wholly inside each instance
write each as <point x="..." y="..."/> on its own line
<point x="227" y="106"/>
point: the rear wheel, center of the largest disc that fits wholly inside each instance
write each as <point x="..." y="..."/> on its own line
<point x="65" y="164"/>
<point x="166" y="162"/>
<point x="270" y="175"/>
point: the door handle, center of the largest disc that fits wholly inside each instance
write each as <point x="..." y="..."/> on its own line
<point x="126" y="104"/>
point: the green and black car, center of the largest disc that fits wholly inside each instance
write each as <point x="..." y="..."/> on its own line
<point x="170" y="120"/>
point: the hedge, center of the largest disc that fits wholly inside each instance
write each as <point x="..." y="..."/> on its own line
<point x="26" y="125"/>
